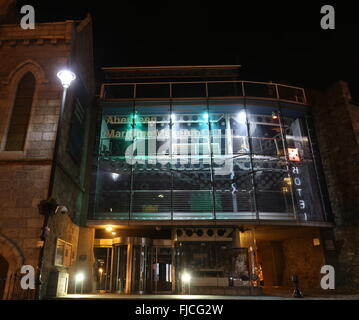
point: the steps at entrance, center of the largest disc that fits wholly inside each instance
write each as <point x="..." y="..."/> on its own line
<point x="229" y="291"/>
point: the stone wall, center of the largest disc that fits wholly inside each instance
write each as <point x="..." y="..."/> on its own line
<point x="336" y="123"/>
<point x="354" y="116"/>
<point x="292" y="253"/>
<point x="25" y="175"/>
<point x="304" y="259"/>
<point x="21" y="186"/>
<point x="85" y="259"/>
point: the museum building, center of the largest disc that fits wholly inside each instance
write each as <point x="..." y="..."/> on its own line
<point x="179" y="179"/>
<point x="205" y="183"/>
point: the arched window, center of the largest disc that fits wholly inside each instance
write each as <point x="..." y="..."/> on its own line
<point x="21" y="113"/>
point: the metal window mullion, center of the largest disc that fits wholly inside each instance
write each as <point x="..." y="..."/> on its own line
<point x="132" y="163"/>
<point x="287" y="159"/>
<point x="251" y="160"/>
<point x="102" y="91"/>
<point x="304" y="95"/>
<point x="111" y="286"/>
<point x="277" y="91"/>
<point x="211" y="163"/>
<point x="171" y="157"/>
<point x="107" y="268"/>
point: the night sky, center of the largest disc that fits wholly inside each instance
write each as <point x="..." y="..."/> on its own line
<point x="279" y="41"/>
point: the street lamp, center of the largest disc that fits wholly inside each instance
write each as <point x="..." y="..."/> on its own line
<point x="66" y="77"/>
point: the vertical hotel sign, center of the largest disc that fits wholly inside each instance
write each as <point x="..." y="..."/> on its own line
<point x="294" y="157"/>
<point x="299" y="173"/>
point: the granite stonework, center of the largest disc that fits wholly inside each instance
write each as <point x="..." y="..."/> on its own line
<point x="292" y="252"/>
<point x="337" y="121"/>
<point x="25" y="175"/>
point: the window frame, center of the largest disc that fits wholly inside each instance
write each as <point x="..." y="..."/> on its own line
<point x="5" y="154"/>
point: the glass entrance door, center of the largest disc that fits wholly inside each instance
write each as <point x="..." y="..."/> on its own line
<point x="162" y="269"/>
<point x="130" y="269"/>
<point x="119" y="268"/>
<point x="140" y="274"/>
<point x="103" y="256"/>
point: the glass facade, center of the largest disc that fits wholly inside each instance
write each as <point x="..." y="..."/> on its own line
<point x="207" y="159"/>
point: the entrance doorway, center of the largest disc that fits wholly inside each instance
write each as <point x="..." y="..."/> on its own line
<point x="131" y="265"/>
<point x="134" y="265"/>
<point x="162" y="269"/>
<point x="103" y="257"/>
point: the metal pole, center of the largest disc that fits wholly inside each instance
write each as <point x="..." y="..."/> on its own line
<point x="106" y="270"/>
<point x="57" y="143"/>
<point x="210" y="135"/>
<point x="100" y="280"/>
<point x="45" y="228"/>
<point x="289" y="166"/>
<point x="249" y="137"/>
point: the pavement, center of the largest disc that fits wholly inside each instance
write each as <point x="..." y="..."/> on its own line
<point x="111" y="296"/>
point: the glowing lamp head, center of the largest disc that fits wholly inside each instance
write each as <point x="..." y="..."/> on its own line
<point x="66" y="77"/>
<point x="115" y="176"/>
<point x="241" y="118"/>
<point x="79" y="277"/>
<point x="274" y="115"/>
<point x="186" y="277"/>
<point x="100" y="270"/>
<point x="109" y="228"/>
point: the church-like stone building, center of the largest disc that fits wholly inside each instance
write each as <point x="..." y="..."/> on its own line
<point x="30" y="100"/>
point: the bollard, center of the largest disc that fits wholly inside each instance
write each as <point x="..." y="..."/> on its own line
<point x="296" y="292"/>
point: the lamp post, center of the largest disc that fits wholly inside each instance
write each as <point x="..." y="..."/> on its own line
<point x="100" y="272"/>
<point x="79" y="278"/>
<point x="66" y="77"/>
<point x="186" y="278"/>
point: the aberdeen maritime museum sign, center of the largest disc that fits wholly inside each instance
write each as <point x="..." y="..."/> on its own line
<point x="189" y="146"/>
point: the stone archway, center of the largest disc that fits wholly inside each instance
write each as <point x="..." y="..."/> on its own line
<point x="11" y="260"/>
<point x="4" y="268"/>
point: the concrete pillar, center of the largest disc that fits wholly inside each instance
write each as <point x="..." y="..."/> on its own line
<point x="236" y="239"/>
<point x="85" y="260"/>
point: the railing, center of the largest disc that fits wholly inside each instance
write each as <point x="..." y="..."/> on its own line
<point x="202" y="89"/>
